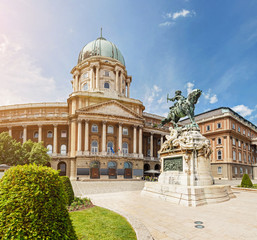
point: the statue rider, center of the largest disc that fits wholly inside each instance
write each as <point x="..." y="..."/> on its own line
<point x="180" y="98"/>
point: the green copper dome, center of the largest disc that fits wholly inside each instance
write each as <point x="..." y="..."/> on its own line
<point x="101" y="47"/>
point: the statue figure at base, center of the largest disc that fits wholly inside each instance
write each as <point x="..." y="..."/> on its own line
<point x="182" y="108"/>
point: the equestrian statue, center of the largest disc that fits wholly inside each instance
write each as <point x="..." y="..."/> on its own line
<point x="182" y="108"/>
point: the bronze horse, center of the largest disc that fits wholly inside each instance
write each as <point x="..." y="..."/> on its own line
<point x="185" y="108"/>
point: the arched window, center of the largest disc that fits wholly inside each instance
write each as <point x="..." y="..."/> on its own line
<point x="50" y="149"/>
<point x="112" y="165"/>
<point x="63" y="149"/>
<point x="85" y="87"/>
<point x="146" y="167"/>
<point x="62" y="167"/>
<point x="35" y="134"/>
<point x="106" y="85"/>
<point x="127" y="165"/>
<point x="110" y="147"/>
<point x="49" y="134"/>
<point x="110" y="129"/>
<point x="94" y="146"/>
<point x="219" y="141"/>
<point x="125" y="148"/>
<point x="219" y="155"/>
<point x="157" y="167"/>
<point x="94" y="128"/>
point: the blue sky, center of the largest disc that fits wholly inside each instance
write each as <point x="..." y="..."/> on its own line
<point x="167" y="45"/>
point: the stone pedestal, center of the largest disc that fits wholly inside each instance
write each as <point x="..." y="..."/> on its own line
<point x="186" y="171"/>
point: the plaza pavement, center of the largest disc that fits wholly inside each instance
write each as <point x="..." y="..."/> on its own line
<point x="235" y="219"/>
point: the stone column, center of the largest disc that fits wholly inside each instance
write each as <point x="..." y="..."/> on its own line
<point x="55" y="140"/>
<point x="97" y="78"/>
<point x="10" y="131"/>
<point x="161" y="140"/>
<point x="117" y="81"/>
<point x="120" y="138"/>
<point x="140" y="145"/>
<point x="120" y="80"/>
<point x="24" y="134"/>
<point x="86" y="150"/>
<point x="73" y="169"/>
<point x="92" y="79"/>
<point x="39" y="133"/>
<point x="73" y="138"/>
<point x="104" y="139"/>
<point x="79" y="140"/>
<point x="151" y="146"/>
<point x="128" y="93"/>
<point x="135" y="140"/>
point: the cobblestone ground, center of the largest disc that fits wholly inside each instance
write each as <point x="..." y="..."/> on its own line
<point x="96" y="187"/>
<point x="231" y="220"/>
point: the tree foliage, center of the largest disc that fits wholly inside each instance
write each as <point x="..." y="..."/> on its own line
<point x="33" y="205"/>
<point x="68" y="189"/>
<point x="246" y="181"/>
<point x="15" y="153"/>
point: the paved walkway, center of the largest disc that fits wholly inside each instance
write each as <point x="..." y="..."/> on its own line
<point x="231" y="220"/>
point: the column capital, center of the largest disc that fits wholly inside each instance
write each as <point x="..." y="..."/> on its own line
<point x="9" y="127"/>
<point x="120" y="124"/>
<point x="79" y="120"/>
<point x="141" y="126"/>
<point x="40" y="125"/>
<point x="76" y="73"/>
<point x="135" y="125"/>
<point x="104" y="122"/>
<point x="55" y="124"/>
<point x="24" y="126"/>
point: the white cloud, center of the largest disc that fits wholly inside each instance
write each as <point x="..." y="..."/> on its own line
<point x="212" y="98"/>
<point x="165" y="24"/>
<point x="182" y="13"/>
<point x="243" y="110"/>
<point x="161" y="100"/>
<point x="21" y="79"/>
<point x="189" y="87"/>
<point x="156" y="88"/>
<point x="151" y="96"/>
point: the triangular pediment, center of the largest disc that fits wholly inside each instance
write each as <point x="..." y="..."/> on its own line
<point x="110" y="108"/>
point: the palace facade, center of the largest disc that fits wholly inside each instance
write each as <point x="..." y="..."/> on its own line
<point x="100" y="133"/>
<point x="233" y="141"/>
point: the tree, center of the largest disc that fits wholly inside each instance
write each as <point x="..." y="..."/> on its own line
<point x="33" y="205"/>
<point x="10" y="150"/>
<point x="13" y="153"/>
<point x="246" y="181"/>
<point x="33" y="152"/>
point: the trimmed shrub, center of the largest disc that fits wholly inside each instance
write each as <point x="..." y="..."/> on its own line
<point x="33" y="205"/>
<point x="68" y="189"/>
<point x="246" y="181"/>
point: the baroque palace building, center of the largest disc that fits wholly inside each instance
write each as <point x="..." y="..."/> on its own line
<point x="100" y="133"/>
<point x="233" y="141"/>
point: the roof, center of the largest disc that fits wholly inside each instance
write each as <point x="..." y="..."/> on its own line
<point x="101" y="47"/>
<point x="217" y="112"/>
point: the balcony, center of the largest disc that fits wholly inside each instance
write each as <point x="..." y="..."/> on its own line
<point x="153" y="159"/>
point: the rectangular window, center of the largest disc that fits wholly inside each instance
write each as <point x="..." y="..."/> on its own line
<point x="239" y="156"/>
<point x="63" y="133"/>
<point x="219" y="170"/>
<point x="106" y="73"/>
<point x="125" y="131"/>
<point x="208" y="128"/>
<point x="233" y="126"/>
<point x="218" y="125"/>
<point x="244" y="132"/>
<point x="234" y="141"/>
<point x="238" y="129"/>
<point x="249" y="148"/>
<point x="241" y="170"/>
<point x="235" y="170"/>
<point x="239" y="143"/>
<point x="249" y="158"/>
<point x="234" y="155"/>
<point x="246" y="171"/>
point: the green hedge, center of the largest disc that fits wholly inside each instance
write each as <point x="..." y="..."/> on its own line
<point x="33" y="205"/>
<point x="68" y="189"/>
<point x="246" y="181"/>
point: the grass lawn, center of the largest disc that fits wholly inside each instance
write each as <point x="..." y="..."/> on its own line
<point x="101" y="224"/>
